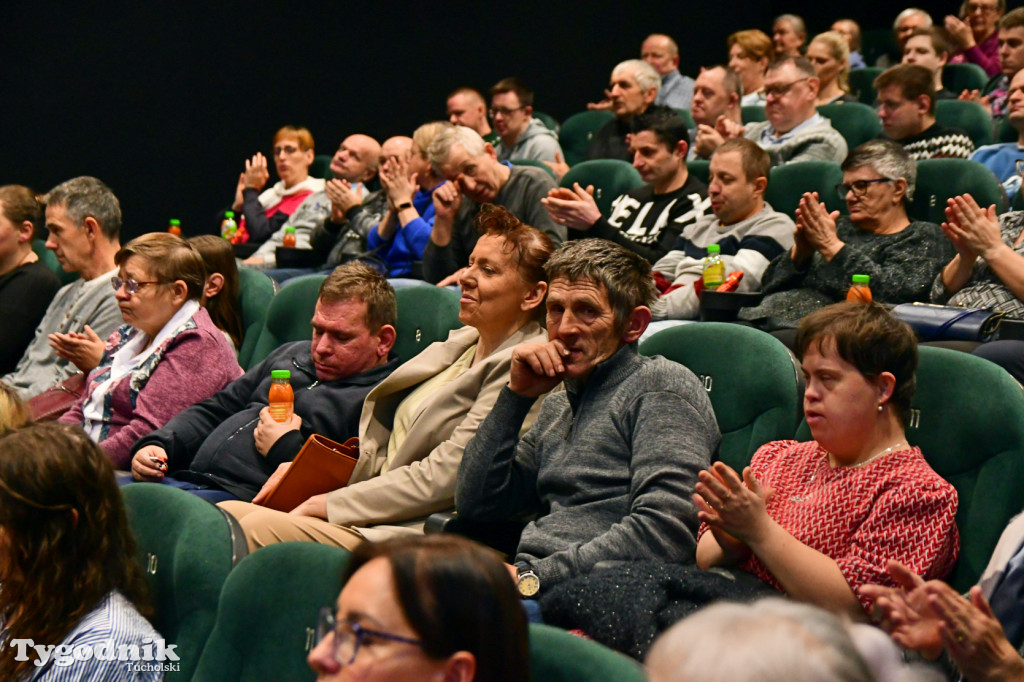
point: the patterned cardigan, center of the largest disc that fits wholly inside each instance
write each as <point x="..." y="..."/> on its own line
<point x="189" y="366"/>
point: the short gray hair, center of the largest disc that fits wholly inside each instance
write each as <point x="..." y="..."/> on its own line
<point x="86" y="197"/>
<point x="772" y="639"/>
<point x="796" y="21"/>
<point x="889" y="159"/>
<point x="909" y="12"/>
<point x="441" y="146"/>
<point x="646" y="75"/>
<point x="626" y="276"/>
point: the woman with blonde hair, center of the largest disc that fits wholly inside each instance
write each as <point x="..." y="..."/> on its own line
<point x="13" y="412"/>
<point x="830" y="55"/>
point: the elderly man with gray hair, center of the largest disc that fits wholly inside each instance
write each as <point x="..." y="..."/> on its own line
<point x="611" y="462"/>
<point x="459" y="155"/>
<point x="634" y="86"/>
<point x="84" y="220"/>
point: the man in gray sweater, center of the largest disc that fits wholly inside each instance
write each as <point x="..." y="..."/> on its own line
<point x="83" y="218"/>
<point x="794" y="130"/>
<point x="612" y="460"/>
<point x="476" y="177"/>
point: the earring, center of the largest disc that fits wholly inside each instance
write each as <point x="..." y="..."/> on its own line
<point x="879" y="407"/>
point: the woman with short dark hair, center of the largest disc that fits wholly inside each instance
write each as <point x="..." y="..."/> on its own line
<point x="416" y="607"/>
<point x="819" y="519"/>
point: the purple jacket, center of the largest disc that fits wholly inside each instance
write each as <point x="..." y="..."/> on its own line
<point x="190" y="366"/>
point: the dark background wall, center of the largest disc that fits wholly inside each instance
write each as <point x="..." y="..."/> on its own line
<point x="164" y="101"/>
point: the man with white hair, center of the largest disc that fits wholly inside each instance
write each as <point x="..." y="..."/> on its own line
<point x="633" y="88"/>
<point x="476" y="177"/>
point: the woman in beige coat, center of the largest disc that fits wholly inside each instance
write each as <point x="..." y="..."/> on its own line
<point x="416" y="422"/>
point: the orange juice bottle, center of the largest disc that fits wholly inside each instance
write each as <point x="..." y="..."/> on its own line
<point x="859" y="290"/>
<point x="288" y="241"/>
<point x="281" y="397"/>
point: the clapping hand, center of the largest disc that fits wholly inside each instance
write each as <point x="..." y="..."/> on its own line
<point x="575" y="208"/>
<point x="973" y="230"/>
<point x="256" y="173"/>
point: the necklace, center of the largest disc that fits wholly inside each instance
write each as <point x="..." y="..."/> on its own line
<point x="869" y="460"/>
<point x="828" y="460"/>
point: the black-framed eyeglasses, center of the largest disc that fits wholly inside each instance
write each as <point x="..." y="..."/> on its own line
<point x="504" y="111"/>
<point x="130" y="285"/>
<point x="349" y="636"/>
<point x="780" y="90"/>
<point x="287" y="150"/>
<point x="858" y="187"/>
<point x="972" y="7"/>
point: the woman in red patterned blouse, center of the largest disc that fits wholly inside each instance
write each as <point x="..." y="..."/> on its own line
<point x="817" y="520"/>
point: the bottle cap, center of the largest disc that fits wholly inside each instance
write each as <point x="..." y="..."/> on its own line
<point x="714" y="248"/>
<point x="175" y="221"/>
<point x="229" y="214"/>
<point x="861" y="279"/>
<point x="289" y="230"/>
<point x="280" y="374"/>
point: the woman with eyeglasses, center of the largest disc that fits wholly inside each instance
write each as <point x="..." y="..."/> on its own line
<point x="974" y="34"/>
<point x="68" y="573"/>
<point x="167" y="356"/>
<point x="266" y="211"/>
<point x="436" y="607"/>
<point x="878" y="239"/>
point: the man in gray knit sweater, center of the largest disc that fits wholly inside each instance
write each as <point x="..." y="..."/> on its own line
<point x="611" y="462"/>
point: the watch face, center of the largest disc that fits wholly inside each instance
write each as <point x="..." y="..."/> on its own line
<point x="529" y="584"/>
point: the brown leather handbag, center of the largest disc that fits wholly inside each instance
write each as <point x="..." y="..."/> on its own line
<point x="54" y="402"/>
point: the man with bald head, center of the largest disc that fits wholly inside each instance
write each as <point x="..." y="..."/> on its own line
<point x="850" y="30"/>
<point x="334" y="220"/>
<point x="467" y="107"/>
<point x="661" y="52"/>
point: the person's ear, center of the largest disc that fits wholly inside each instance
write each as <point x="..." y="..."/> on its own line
<point x="528" y="110"/>
<point x="25" y="231"/>
<point x="534" y="297"/>
<point x="460" y="667"/>
<point x="92" y="228"/>
<point x="179" y="291"/>
<point x="760" y="184"/>
<point x="923" y="103"/>
<point x="385" y="340"/>
<point x="899" y="189"/>
<point x="636" y="324"/>
<point x="681" y="148"/>
<point x="214" y="285"/>
<point x="814" y="85"/>
<point x="489" y="150"/>
<point x="886" y="383"/>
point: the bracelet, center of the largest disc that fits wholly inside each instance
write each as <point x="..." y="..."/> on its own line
<point x="402" y="207"/>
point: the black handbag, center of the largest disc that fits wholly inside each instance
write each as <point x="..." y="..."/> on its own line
<point x="948" y="323"/>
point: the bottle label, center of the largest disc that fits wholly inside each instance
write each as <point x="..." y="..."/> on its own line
<point x="280" y="411"/>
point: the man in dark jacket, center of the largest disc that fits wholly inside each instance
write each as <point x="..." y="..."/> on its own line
<point x="226" y="447"/>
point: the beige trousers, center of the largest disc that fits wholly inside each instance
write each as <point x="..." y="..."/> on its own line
<point x="264" y="527"/>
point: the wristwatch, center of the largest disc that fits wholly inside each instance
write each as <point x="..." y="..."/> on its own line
<point x="402" y="207"/>
<point x="527" y="580"/>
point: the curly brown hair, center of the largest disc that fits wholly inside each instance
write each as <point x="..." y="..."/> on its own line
<point x="64" y="537"/>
